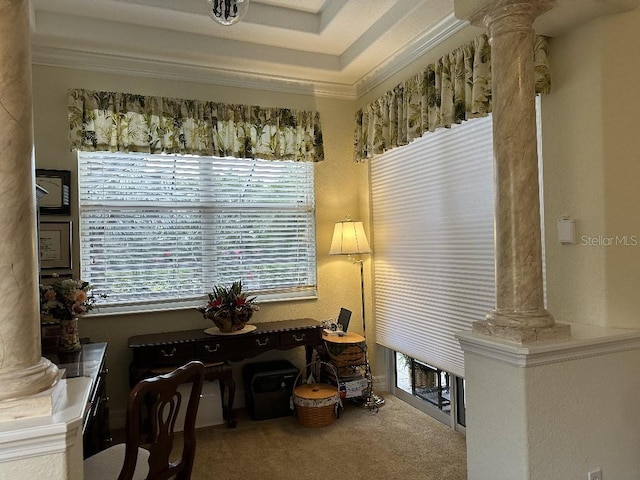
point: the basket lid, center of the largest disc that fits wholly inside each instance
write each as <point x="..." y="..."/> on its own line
<point x="315" y="391"/>
<point x="349" y="337"/>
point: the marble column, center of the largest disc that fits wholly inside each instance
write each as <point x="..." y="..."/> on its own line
<point x="519" y="313"/>
<point x="25" y="377"/>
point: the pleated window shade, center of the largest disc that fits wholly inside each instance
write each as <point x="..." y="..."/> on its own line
<point x="433" y="240"/>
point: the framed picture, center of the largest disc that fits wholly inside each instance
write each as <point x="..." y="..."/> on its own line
<point x="48" y="279"/>
<point x="58" y="185"/>
<point x="55" y="245"/>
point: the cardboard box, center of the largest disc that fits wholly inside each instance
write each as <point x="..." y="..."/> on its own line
<point x="353" y="388"/>
<point x="210" y="409"/>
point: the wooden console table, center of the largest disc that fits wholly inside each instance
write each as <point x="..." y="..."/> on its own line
<point x="171" y="349"/>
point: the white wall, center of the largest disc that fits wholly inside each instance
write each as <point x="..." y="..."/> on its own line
<point x="582" y="415"/>
<point x="46" y="466"/>
<point x="573" y="176"/>
<point x="555" y="420"/>
<point x="590" y="148"/>
<point x="621" y="104"/>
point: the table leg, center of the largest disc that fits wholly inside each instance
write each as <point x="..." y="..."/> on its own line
<point x="227" y="411"/>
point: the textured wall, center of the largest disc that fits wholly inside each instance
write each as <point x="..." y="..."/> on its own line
<point x="590" y="149"/>
<point x="49" y="467"/>
<point x="555" y="421"/>
<point x="496" y="421"/>
<point x="583" y="414"/>
<point x="621" y="103"/>
<point x="65" y="465"/>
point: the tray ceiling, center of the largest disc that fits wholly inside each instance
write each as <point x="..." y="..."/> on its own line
<point x="330" y="46"/>
<point x="338" y="48"/>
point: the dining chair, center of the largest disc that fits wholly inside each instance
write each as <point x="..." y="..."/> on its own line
<point x="155" y="403"/>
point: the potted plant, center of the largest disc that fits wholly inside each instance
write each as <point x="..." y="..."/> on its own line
<point x="229" y="308"/>
<point x="66" y="300"/>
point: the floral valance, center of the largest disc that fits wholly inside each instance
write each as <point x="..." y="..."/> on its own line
<point x="125" y="122"/>
<point x="456" y="88"/>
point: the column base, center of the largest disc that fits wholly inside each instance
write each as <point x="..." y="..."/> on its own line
<point x="522" y="334"/>
<point x="520" y="318"/>
<point x="40" y="404"/>
<point x="51" y="446"/>
<point x="28" y="392"/>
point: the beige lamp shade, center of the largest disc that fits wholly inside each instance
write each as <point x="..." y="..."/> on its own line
<point x="349" y="239"/>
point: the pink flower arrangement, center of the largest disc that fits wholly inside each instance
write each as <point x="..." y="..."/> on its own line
<point x="65" y="299"/>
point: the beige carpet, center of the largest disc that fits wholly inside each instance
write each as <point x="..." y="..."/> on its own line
<point x="399" y="442"/>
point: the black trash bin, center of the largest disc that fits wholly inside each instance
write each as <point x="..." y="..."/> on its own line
<point x="268" y="387"/>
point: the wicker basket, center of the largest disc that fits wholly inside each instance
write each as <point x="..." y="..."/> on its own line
<point x="315" y="404"/>
<point x="345" y="355"/>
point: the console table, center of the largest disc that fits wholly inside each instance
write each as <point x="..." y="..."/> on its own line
<point x="163" y="350"/>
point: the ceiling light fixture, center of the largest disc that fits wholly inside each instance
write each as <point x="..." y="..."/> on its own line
<point x="227" y="12"/>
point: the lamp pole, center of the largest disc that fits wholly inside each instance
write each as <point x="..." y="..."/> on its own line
<point x="372" y="401"/>
<point x="364" y="323"/>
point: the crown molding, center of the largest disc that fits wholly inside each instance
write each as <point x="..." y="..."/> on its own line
<point x="411" y="52"/>
<point x="174" y="69"/>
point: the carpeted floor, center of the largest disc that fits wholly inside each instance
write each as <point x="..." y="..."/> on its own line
<point x="399" y="442"/>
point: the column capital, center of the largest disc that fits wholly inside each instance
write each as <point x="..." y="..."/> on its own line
<point x="482" y="13"/>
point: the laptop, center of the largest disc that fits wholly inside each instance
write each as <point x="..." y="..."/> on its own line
<point x="343" y="319"/>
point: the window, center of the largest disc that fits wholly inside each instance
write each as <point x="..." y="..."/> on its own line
<point x="431" y="390"/>
<point x="432" y="203"/>
<point x="158" y="231"/>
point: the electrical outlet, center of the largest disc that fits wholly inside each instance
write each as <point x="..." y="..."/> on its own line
<point x="595" y="474"/>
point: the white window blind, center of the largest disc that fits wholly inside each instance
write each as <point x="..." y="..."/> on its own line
<point x="432" y="203"/>
<point x="158" y="231"/>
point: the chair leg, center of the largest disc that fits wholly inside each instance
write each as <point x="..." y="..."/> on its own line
<point x="227" y="410"/>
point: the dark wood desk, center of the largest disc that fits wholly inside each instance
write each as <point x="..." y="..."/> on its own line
<point x="171" y="349"/>
<point x="90" y="362"/>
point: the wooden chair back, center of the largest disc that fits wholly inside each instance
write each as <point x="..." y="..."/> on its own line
<point x="160" y="398"/>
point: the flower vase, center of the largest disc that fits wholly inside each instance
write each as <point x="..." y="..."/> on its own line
<point x="69" y="339"/>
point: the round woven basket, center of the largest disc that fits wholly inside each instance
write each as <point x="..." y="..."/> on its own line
<point x="342" y="355"/>
<point x="316" y="404"/>
<point x="346" y="352"/>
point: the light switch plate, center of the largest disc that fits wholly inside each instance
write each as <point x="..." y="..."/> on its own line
<point x="566" y="230"/>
